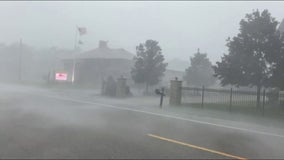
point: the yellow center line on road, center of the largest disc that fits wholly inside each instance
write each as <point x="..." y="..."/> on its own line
<point x="196" y="147"/>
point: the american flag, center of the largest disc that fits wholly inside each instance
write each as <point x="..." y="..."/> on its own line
<point x="80" y="42"/>
<point x="82" y="30"/>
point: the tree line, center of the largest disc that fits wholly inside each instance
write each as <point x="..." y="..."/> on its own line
<point x="255" y="58"/>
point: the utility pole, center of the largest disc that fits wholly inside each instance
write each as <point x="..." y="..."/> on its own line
<point x="20" y="62"/>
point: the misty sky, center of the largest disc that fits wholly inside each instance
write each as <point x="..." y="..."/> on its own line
<point x="180" y="27"/>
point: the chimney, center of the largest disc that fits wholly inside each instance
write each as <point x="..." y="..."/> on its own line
<point x="103" y="44"/>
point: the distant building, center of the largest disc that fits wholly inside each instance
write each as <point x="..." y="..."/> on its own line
<point x="171" y="75"/>
<point x="95" y="65"/>
<point x="178" y="64"/>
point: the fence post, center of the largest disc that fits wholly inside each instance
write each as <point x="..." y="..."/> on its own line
<point x="202" y="98"/>
<point x="279" y="100"/>
<point x="263" y="101"/>
<point x="231" y="94"/>
<point x="162" y="96"/>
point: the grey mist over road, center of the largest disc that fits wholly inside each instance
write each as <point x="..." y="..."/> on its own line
<point x="135" y="80"/>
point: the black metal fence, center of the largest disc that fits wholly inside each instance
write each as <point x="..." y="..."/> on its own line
<point x="231" y="98"/>
<point x="281" y="98"/>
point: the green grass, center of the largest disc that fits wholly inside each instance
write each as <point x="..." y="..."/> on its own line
<point x="244" y="108"/>
<point x="224" y="105"/>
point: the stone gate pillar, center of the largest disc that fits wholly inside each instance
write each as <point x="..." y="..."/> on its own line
<point x="175" y="92"/>
<point x="121" y="87"/>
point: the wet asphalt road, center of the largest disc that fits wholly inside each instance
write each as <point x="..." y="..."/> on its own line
<point x="35" y="123"/>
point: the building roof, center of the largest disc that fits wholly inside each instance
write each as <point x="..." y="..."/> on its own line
<point x="104" y="52"/>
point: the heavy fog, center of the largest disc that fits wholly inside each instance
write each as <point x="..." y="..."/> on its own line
<point x="180" y="27"/>
<point x="135" y="80"/>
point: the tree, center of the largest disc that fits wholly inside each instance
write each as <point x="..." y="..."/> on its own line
<point x="252" y="53"/>
<point x="277" y="78"/>
<point x="200" y="72"/>
<point x="149" y="64"/>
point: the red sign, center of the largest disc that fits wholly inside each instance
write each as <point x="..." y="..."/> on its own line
<point x="61" y="76"/>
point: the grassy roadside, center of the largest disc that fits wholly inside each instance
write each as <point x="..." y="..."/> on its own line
<point x="271" y="111"/>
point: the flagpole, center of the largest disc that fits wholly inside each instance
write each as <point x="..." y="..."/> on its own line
<point x="74" y="63"/>
<point x="20" y="61"/>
